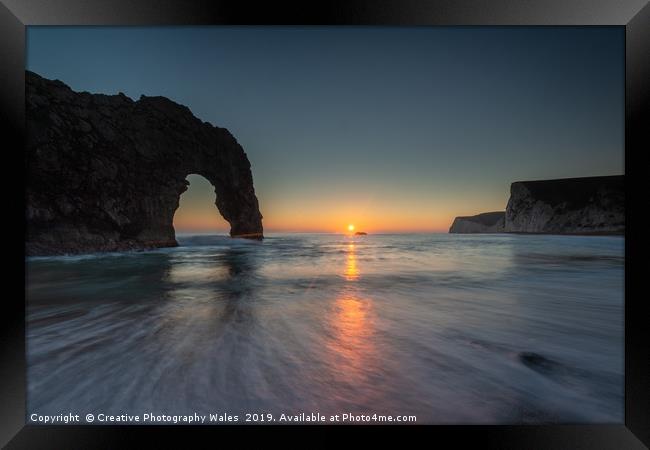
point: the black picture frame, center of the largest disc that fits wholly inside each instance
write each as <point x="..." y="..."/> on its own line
<point x="634" y="15"/>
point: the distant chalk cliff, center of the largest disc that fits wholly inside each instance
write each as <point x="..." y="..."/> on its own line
<point x="590" y="205"/>
<point x="490" y="222"/>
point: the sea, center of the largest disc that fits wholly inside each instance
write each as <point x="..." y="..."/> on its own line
<point x="436" y="328"/>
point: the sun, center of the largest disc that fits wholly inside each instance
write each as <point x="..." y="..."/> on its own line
<point x="350" y="227"/>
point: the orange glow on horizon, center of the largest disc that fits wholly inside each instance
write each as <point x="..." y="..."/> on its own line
<point x="334" y="216"/>
<point x="370" y="208"/>
<point x="376" y="218"/>
<point x="343" y="209"/>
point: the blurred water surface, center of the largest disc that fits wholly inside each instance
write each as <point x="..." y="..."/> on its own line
<point x="450" y="328"/>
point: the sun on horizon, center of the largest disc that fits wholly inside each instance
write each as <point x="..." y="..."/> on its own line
<point x="350" y="228"/>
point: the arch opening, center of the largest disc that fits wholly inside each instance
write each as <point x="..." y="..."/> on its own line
<point x="197" y="212"/>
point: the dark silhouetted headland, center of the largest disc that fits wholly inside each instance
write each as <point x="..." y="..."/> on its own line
<point x="106" y="173"/>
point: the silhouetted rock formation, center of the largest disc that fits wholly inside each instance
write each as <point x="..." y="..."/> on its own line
<point x="592" y="205"/>
<point x="106" y="173"/>
<point x="360" y="233"/>
<point x="490" y="222"/>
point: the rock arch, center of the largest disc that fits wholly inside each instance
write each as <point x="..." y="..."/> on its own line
<point x="106" y="173"/>
<point x="197" y="209"/>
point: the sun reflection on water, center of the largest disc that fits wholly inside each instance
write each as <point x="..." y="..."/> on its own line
<point x="351" y="270"/>
<point x="352" y="324"/>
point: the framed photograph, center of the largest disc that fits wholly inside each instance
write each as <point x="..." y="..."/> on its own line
<point x="412" y="216"/>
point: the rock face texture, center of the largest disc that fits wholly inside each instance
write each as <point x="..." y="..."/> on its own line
<point x="106" y="173"/>
<point x="490" y="222"/>
<point x="592" y="205"/>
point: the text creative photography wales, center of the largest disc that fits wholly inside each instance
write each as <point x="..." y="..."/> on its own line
<point x="324" y="225"/>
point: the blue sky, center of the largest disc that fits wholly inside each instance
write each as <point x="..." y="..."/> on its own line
<point x="392" y="128"/>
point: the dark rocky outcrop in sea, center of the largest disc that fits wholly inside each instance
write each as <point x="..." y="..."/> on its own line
<point x="590" y="205"/>
<point x="106" y="173"/>
<point x="490" y="222"/>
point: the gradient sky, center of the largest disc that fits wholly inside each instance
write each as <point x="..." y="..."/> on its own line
<point x="389" y="128"/>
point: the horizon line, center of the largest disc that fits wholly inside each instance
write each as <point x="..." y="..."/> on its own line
<point x="226" y="232"/>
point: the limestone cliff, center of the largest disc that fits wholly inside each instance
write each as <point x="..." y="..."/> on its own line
<point x="591" y="205"/>
<point x="490" y="222"/>
<point x="106" y="173"/>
